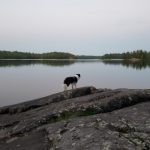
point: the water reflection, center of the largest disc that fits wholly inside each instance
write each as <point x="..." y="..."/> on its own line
<point x="138" y="65"/>
<point x="9" y="63"/>
<point x="60" y="63"/>
<point x="50" y="62"/>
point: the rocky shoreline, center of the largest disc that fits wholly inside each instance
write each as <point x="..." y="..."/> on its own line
<point x="81" y="119"/>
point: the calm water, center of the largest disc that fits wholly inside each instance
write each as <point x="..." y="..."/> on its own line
<point x="22" y="80"/>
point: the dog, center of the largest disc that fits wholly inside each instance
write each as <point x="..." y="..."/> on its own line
<point x="71" y="80"/>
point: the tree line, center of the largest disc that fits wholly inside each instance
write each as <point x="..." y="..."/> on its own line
<point x="139" y="54"/>
<point x="50" y="55"/>
<point x="27" y="55"/>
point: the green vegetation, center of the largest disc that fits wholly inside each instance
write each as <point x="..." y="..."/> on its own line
<point x="139" y="54"/>
<point x="51" y="55"/>
<point x="112" y="56"/>
<point x="58" y="55"/>
<point x="66" y="115"/>
<point x="17" y="55"/>
<point x="135" y="55"/>
<point x="25" y="55"/>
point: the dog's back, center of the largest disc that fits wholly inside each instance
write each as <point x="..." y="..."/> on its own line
<point x="70" y="80"/>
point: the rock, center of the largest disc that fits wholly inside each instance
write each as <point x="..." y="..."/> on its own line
<point x="86" y="118"/>
<point x="30" y="105"/>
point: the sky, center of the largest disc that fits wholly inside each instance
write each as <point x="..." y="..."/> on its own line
<point x="84" y="27"/>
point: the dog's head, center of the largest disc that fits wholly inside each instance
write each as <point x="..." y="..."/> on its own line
<point x="78" y="75"/>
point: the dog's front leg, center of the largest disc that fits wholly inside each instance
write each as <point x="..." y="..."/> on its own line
<point x="75" y="85"/>
<point x="65" y="87"/>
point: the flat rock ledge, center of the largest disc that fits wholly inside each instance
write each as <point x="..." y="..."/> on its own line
<point x="81" y="119"/>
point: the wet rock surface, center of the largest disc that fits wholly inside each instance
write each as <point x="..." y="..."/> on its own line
<point x="82" y="119"/>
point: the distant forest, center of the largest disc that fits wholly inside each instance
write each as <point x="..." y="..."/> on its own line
<point x="26" y="55"/>
<point x="139" y="54"/>
<point x="51" y="55"/>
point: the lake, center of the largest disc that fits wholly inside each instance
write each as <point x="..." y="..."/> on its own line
<point x="22" y="80"/>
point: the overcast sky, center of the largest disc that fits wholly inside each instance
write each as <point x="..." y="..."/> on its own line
<point x="90" y="27"/>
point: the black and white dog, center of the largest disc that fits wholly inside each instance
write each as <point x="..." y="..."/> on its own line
<point x="71" y="80"/>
